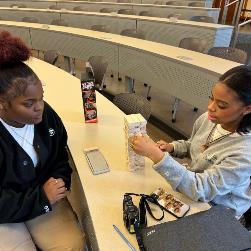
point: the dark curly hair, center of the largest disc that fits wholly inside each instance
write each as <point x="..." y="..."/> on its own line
<point x="15" y="75"/>
<point x="239" y="80"/>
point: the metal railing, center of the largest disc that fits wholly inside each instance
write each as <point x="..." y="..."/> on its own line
<point x="237" y="11"/>
<point x="237" y="30"/>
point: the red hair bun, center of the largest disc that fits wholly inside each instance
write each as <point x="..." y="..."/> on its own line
<point x="12" y="50"/>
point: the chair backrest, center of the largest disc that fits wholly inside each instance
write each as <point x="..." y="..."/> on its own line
<point x="133" y="33"/>
<point x="174" y="3"/>
<point x="146" y="13"/>
<point x="175" y="15"/>
<point x="131" y="103"/>
<point x="30" y="20"/>
<point x="54" y="7"/>
<point x="59" y="22"/>
<point x="51" y="56"/>
<point x="193" y="44"/>
<point x="243" y="43"/>
<point x="232" y="54"/>
<point x="197" y="4"/>
<point x="158" y="2"/>
<point x="19" y="5"/>
<point x="100" y="27"/>
<point x="107" y="10"/>
<point x="99" y="66"/>
<point x="127" y="12"/>
<point x="79" y="8"/>
<point x="124" y="1"/>
<point x="204" y="19"/>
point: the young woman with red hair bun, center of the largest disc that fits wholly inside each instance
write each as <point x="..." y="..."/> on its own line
<point x="34" y="170"/>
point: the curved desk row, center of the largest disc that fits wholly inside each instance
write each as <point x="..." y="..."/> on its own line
<point x="205" y="3"/>
<point x="160" y="10"/>
<point x="182" y="73"/>
<point x="98" y="199"/>
<point x="159" y="30"/>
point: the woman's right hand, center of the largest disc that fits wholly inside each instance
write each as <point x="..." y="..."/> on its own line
<point x="145" y="146"/>
<point x="55" y="189"/>
<point x="164" y="146"/>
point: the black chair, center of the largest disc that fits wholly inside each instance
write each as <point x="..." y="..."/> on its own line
<point x="59" y="22"/>
<point x="124" y="1"/>
<point x="30" y="20"/>
<point x="136" y="33"/>
<point x="131" y="103"/>
<point x="203" y="19"/>
<point x="69" y="62"/>
<point x="174" y="15"/>
<point x="51" y="56"/>
<point x="174" y="3"/>
<point x="232" y="54"/>
<point x="99" y="67"/>
<point x="54" y="7"/>
<point x="127" y="12"/>
<point x="193" y="44"/>
<point x="18" y="5"/>
<point x="100" y="27"/>
<point x="197" y="4"/>
<point x="107" y="10"/>
<point x="243" y="43"/>
<point x="146" y="13"/>
<point x="79" y="8"/>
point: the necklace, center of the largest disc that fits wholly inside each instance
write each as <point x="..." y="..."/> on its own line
<point x="210" y="139"/>
<point x="21" y="137"/>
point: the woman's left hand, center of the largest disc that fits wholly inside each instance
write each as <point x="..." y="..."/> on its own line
<point x="143" y="145"/>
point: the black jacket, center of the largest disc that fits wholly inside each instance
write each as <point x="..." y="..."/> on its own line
<point x="21" y="184"/>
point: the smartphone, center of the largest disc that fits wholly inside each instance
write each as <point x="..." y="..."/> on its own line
<point x="171" y="204"/>
<point x="96" y="161"/>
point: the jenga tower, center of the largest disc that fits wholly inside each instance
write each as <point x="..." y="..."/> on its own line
<point x="135" y="124"/>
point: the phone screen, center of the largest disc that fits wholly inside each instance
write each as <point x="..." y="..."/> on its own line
<point x="96" y="161"/>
